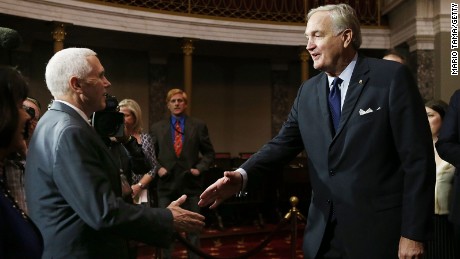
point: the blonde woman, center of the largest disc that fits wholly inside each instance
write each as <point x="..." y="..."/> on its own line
<point x="133" y="123"/>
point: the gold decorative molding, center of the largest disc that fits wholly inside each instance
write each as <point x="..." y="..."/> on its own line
<point x="187" y="46"/>
<point x="59" y="31"/>
<point x="274" y="11"/>
<point x="59" y="34"/>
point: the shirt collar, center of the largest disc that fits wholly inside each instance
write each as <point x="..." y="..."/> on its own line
<point x="180" y="118"/>
<point x="82" y="114"/>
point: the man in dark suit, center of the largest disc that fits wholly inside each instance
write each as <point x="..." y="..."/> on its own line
<point x="179" y="140"/>
<point x="73" y="183"/>
<point x="448" y="147"/>
<point x="370" y="153"/>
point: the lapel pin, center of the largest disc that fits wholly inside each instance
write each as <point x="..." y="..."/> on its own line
<point x="360" y="81"/>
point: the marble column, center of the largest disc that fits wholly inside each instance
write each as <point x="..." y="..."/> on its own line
<point x="157" y="90"/>
<point x="187" y="48"/>
<point x="59" y="36"/>
<point x="422" y="63"/>
<point x="280" y="104"/>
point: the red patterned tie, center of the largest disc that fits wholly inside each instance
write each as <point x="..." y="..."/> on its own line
<point x="177" y="139"/>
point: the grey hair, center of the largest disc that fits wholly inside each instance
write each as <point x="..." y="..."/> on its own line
<point x="343" y="17"/>
<point x="64" y="65"/>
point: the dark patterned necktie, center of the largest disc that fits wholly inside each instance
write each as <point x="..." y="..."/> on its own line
<point x="335" y="101"/>
<point x="177" y="139"/>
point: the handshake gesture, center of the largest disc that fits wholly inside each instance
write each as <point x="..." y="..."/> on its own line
<point x="184" y="220"/>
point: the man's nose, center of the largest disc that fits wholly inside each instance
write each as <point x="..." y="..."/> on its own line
<point x="107" y="83"/>
<point x="310" y="44"/>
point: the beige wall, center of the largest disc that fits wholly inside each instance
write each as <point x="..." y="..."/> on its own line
<point x="232" y="96"/>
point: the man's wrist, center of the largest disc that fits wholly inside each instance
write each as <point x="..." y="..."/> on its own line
<point x="141" y="185"/>
<point x="244" y="179"/>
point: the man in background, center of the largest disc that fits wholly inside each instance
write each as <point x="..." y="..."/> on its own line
<point x="179" y="140"/>
<point x="394" y="55"/>
<point x="73" y="184"/>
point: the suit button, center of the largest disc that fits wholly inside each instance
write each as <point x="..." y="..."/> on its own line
<point x="331" y="173"/>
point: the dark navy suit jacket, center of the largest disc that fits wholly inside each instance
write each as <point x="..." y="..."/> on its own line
<point x="378" y="171"/>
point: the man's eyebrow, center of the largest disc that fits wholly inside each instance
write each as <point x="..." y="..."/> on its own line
<point x="317" y="31"/>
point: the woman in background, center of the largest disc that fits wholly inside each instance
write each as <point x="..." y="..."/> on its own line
<point x="133" y="124"/>
<point x="442" y="244"/>
<point x="19" y="237"/>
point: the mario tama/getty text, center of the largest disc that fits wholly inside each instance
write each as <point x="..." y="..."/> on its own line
<point x="453" y="39"/>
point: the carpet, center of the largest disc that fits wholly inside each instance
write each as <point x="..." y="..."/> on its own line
<point x="237" y="241"/>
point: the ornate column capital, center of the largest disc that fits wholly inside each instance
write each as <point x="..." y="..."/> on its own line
<point x="59" y="34"/>
<point x="59" y="31"/>
<point x="187" y="46"/>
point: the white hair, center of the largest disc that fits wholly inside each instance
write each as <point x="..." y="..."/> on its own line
<point x="343" y="17"/>
<point x="65" y="64"/>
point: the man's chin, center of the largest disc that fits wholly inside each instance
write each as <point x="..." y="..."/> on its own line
<point x="317" y="66"/>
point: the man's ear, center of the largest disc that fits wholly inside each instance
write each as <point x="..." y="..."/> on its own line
<point x="347" y="36"/>
<point x="75" y="85"/>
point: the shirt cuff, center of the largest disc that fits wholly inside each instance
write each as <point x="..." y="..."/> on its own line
<point x="245" y="177"/>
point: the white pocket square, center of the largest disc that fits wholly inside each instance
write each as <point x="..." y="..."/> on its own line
<point x="362" y="112"/>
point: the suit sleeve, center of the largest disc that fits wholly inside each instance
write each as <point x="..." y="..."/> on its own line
<point x="206" y="149"/>
<point x="413" y="142"/>
<point x="448" y="144"/>
<point x="85" y="178"/>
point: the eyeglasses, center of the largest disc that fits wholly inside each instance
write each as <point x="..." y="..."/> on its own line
<point x="29" y="111"/>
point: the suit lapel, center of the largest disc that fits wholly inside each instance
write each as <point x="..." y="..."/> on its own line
<point x="324" y="105"/>
<point x="58" y="106"/>
<point x="188" y="128"/>
<point x="167" y="135"/>
<point x="355" y="88"/>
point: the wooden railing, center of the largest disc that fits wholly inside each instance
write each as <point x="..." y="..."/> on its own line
<point x="275" y="11"/>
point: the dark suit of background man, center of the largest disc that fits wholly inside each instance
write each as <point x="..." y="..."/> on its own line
<point x="181" y="167"/>
<point x="373" y="177"/>
<point x="448" y="147"/>
<point x="73" y="184"/>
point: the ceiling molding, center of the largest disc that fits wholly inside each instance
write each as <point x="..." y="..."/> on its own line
<point x="136" y="21"/>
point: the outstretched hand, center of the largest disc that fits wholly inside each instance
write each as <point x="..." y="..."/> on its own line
<point x="222" y="189"/>
<point x="184" y="220"/>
